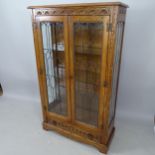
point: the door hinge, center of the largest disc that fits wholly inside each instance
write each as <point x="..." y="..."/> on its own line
<point x="109" y="27"/>
<point x="34" y="24"/>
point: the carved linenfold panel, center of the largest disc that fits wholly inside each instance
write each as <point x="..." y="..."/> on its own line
<point x="122" y="10"/>
<point x="76" y="131"/>
<point x="121" y="14"/>
<point x="121" y="18"/>
<point x="79" y="11"/>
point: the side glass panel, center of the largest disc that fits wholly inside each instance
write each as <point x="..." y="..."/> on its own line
<point x="54" y="58"/>
<point x="119" y="33"/>
<point x="88" y="40"/>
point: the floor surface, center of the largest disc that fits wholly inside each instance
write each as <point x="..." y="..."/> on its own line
<point x="21" y="133"/>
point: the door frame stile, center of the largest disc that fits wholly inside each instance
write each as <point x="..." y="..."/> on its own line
<point x="71" y="68"/>
<point x="103" y="82"/>
<point x="67" y="72"/>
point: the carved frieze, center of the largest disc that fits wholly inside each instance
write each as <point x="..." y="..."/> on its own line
<point x="76" y="131"/>
<point x="72" y="11"/>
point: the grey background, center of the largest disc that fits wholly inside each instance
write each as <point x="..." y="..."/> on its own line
<point x="136" y="97"/>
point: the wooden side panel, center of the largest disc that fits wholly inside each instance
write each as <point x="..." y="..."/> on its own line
<point x="108" y="75"/>
<point x="118" y="15"/>
<point x="114" y="60"/>
<point x="117" y="56"/>
<point x="120" y="25"/>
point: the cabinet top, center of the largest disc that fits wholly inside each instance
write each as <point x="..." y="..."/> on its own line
<point x="80" y="5"/>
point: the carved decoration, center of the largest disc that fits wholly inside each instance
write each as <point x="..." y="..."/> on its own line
<point x="122" y="10"/>
<point x="77" y="131"/>
<point x="121" y="14"/>
<point x="72" y="11"/>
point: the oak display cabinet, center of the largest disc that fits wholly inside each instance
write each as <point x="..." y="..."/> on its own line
<point x="78" y="53"/>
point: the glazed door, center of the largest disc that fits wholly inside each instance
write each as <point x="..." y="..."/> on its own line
<point x="88" y="49"/>
<point x="53" y="45"/>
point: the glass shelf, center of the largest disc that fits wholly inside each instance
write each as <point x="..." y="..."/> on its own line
<point x="89" y="51"/>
